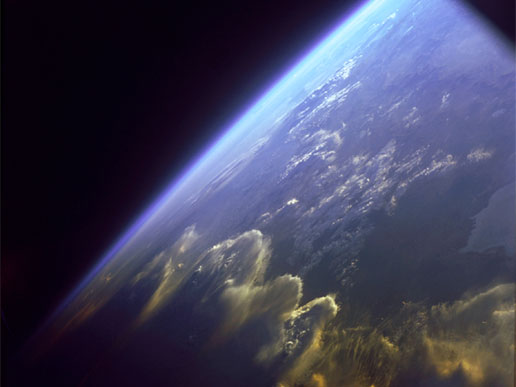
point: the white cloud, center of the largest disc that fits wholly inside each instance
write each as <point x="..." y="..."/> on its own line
<point x="479" y="154"/>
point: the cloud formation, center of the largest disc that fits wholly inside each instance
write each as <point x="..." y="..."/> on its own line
<point x="231" y="275"/>
<point x="173" y="272"/>
<point x="272" y="302"/>
<point x="293" y="340"/>
<point x="293" y="333"/>
<point x="237" y="261"/>
<point x="470" y="339"/>
<point x="467" y="342"/>
<point x="303" y="341"/>
<point x="474" y="336"/>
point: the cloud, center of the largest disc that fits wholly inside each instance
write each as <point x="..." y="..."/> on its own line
<point x="479" y="154"/>
<point x="181" y="246"/>
<point x="318" y="380"/>
<point x="357" y="356"/>
<point x="303" y="342"/>
<point x="467" y="342"/>
<point x="293" y="341"/>
<point x="475" y="337"/>
<point x="306" y="343"/>
<point x="186" y="241"/>
<point x="241" y="260"/>
<point x="149" y="267"/>
<point x="233" y="276"/>
<point x="167" y="285"/>
<point x="173" y="271"/>
<point x="119" y="272"/>
<point x="272" y="303"/>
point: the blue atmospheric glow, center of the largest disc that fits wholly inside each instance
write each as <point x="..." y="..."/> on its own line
<point x="269" y="98"/>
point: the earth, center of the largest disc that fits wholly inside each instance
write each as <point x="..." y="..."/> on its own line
<point x="354" y="227"/>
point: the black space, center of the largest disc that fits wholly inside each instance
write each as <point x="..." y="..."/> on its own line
<point x="105" y="102"/>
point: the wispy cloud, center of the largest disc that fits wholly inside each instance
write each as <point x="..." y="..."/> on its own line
<point x="172" y="273"/>
<point x="469" y="341"/>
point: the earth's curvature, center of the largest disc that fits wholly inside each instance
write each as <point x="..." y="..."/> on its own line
<point x="355" y="227"/>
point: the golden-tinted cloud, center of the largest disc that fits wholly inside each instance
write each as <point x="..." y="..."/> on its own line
<point x="239" y="261"/>
<point x="304" y="342"/>
<point x="272" y="302"/>
<point x="469" y="341"/>
<point x="118" y="273"/>
<point x="474" y="336"/>
<point x="359" y="356"/>
<point x="173" y="272"/>
<point x="180" y="247"/>
<point x="318" y="380"/>
<point x="293" y="339"/>
<point x="168" y="284"/>
<point x="294" y="332"/>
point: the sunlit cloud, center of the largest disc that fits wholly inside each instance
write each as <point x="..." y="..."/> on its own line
<point x="474" y="336"/>
<point x="471" y="340"/>
<point x="233" y="272"/>
<point x="172" y="273"/>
